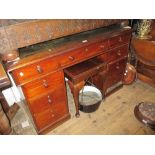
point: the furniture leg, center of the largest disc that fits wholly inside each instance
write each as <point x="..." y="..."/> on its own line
<point x="75" y="88"/>
<point x="103" y="76"/>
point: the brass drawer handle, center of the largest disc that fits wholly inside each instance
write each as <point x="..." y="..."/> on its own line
<point x="39" y="69"/>
<point x="71" y="58"/>
<point x="49" y="99"/>
<point x="45" y="84"/>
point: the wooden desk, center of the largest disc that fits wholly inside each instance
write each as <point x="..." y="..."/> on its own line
<point x="41" y="74"/>
<point x="39" y="71"/>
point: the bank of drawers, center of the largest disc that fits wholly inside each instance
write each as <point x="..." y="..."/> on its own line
<point x="116" y="62"/>
<point x="49" y="108"/>
<point x="117" y="59"/>
<point x="46" y="99"/>
<point x="115" y="72"/>
<point x="119" y="40"/>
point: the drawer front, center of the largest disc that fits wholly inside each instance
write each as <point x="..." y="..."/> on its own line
<point x="119" y="40"/>
<point x="115" y="72"/>
<point x="117" y="53"/>
<point x="83" y="53"/>
<point x="103" y="57"/>
<point x="33" y="71"/>
<point x="43" y="85"/>
<point x="95" y="49"/>
<point x="44" y="119"/>
<point x="114" y="55"/>
<point x="49" y="108"/>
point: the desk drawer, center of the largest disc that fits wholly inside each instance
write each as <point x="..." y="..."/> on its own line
<point x="50" y="116"/>
<point x="117" y="53"/>
<point x="47" y="101"/>
<point x="96" y="48"/>
<point x="50" y="107"/>
<point x="43" y="85"/>
<point x="115" y="72"/>
<point x="119" y="40"/>
<point x="83" y="53"/>
<point x="35" y="70"/>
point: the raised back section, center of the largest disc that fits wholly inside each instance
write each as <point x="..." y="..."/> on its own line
<point x="15" y="34"/>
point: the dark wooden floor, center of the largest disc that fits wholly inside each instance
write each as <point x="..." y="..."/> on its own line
<point x="114" y="117"/>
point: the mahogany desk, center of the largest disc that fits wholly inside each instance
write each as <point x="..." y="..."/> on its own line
<point x="39" y="68"/>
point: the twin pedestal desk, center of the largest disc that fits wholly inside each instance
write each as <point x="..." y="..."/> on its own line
<point x="40" y="70"/>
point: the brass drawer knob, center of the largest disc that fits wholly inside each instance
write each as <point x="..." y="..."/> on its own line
<point x="102" y="46"/>
<point x="71" y="58"/>
<point x="45" y="83"/>
<point x="119" y="53"/>
<point x="117" y="67"/>
<point x="49" y="99"/>
<point x="39" y="69"/>
<point x="21" y="74"/>
<point x="86" y="49"/>
<point x="120" y="39"/>
<point x="97" y="68"/>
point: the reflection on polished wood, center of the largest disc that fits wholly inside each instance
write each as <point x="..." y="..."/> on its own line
<point x="145" y="55"/>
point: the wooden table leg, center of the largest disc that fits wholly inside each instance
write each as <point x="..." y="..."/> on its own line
<point x="75" y="88"/>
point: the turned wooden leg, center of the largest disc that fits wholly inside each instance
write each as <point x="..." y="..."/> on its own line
<point x="75" y="88"/>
